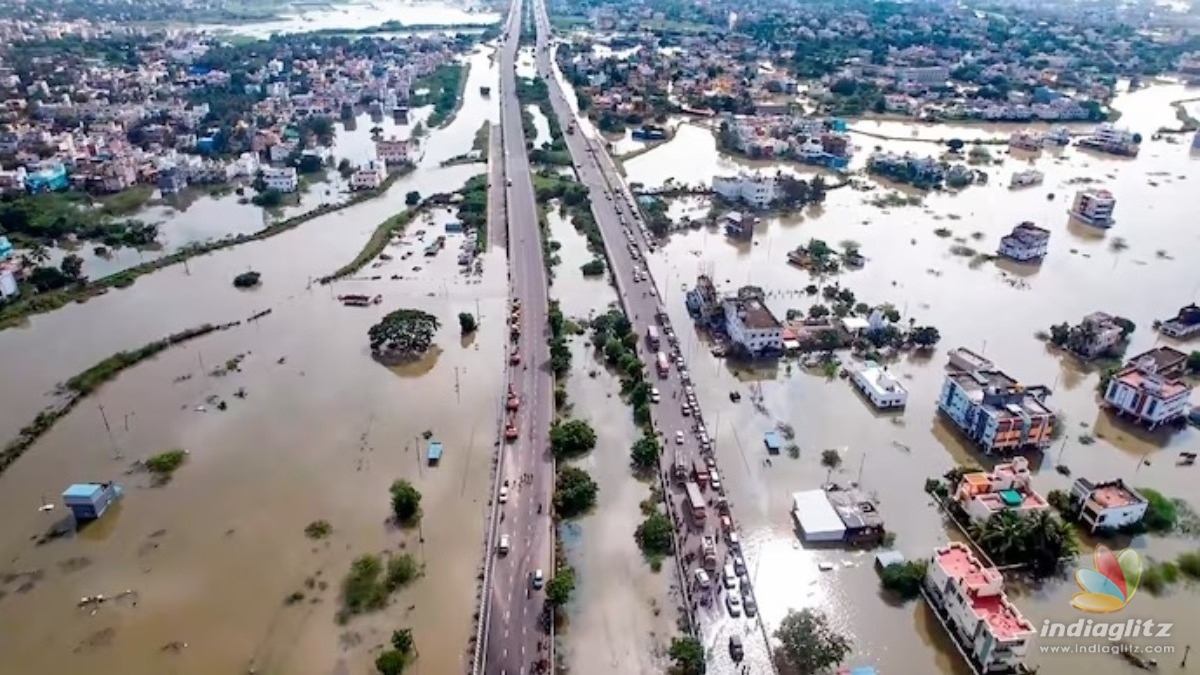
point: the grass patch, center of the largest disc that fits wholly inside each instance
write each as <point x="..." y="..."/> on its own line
<point x="164" y="465"/>
<point x="369" y="583"/>
<point x="127" y="201"/>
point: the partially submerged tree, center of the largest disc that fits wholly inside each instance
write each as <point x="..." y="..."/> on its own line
<point x="403" y="334"/>
<point x="808" y="644"/>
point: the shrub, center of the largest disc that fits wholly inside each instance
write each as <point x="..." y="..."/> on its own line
<point x="904" y="579"/>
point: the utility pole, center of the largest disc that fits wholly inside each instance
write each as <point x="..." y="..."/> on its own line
<point x="861" y="464"/>
<point x="457" y="390"/>
<point x="1187" y="649"/>
<point x="112" y="439"/>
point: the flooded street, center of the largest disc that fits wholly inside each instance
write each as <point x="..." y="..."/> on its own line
<point x="621" y="617"/>
<point x="990" y="307"/>
<point x="321" y="433"/>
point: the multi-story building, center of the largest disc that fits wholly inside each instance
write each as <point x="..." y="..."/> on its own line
<point x="997" y="412"/>
<point x="1094" y="207"/>
<point x="393" y="150"/>
<point x="1185" y="323"/>
<point x="369" y="176"/>
<point x="969" y="598"/>
<point x="1148" y="389"/>
<point x="1098" y="333"/>
<point x="1007" y="487"/>
<point x="757" y="190"/>
<point x="1110" y="505"/>
<point x="171" y="180"/>
<point x="751" y="326"/>
<point x="1025" y="243"/>
<point x="281" y="179"/>
<point x="879" y="386"/>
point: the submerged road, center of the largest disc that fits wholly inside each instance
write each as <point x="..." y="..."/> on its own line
<point x="515" y="636"/>
<point x="681" y="435"/>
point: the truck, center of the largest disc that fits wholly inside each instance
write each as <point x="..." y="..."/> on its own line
<point x="700" y="473"/>
<point x="652" y="337"/>
<point x="663" y="365"/>
<point x="695" y="502"/>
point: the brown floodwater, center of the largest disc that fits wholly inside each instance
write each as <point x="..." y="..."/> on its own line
<point x="622" y="615"/>
<point x="991" y="308"/>
<point x="321" y="433"/>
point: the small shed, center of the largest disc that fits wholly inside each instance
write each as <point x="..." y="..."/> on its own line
<point x="816" y="517"/>
<point x="434" y="454"/>
<point x="89" y="501"/>
<point x="888" y="558"/>
<point x="773" y="442"/>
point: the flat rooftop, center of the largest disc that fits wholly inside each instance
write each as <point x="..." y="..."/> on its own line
<point x="1136" y="379"/>
<point x="880" y="379"/>
<point x="1003" y="619"/>
<point x="754" y="314"/>
<point x="1115" y="496"/>
<point x="1017" y="397"/>
<point x="1165" y="359"/>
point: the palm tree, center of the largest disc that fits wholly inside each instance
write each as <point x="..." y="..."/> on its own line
<point x="38" y="255"/>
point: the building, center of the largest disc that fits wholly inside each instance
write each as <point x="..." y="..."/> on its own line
<point x="1184" y="325"/>
<point x="816" y="518"/>
<point x="89" y="501"/>
<point x="1026" y="140"/>
<point x="1026" y="178"/>
<point x="393" y="150"/>
<point x="1027" y="242"/>
<point x="281" y="179"/>
<point x="50" y="178"/>
<point x="880" y="387"/>
<point x="1099" y="333"/>
<point x="1007" y="487"/>
<point x="926" y="75"/>
<point x="1112" y="139"/>
<point x="861" y="519"/>
<point x="171" y="180"/>
<point x="369" y="176"/>
<point x="1110" y="505"/>
<point x="738" y="225"/>
<point x="970" y="601"/>
<point x="997" y="412"/>
<point x="757" y="190"/>
<point x="1094" y="207"/>
<point x="751" y="325"/>
<point x="1149" y="391"/>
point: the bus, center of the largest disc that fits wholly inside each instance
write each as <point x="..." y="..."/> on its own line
<point x="695" y="502"/>
<point x="652" y="336"/>
<point x="664" y="366"/>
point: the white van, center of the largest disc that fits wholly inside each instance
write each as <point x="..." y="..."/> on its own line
<point x="502" y="547"/>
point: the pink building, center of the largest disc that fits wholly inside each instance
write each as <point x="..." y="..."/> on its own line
<point x="1007" y="487"/>
<point x="969" y="598"/>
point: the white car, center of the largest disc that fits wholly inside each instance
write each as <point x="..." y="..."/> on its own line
<point x="502" y="547"/>
<point x="734" y="602"/>
<point x="538" y="578"/>
<point x="729" y="576"/>
<point x="503" y="494"/>
<point x="678" y="438"/>
<point x="655" y="396"/>
<point x="714" y="479"/>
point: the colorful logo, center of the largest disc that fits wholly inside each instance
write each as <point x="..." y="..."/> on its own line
<point x="1111" y="585"/>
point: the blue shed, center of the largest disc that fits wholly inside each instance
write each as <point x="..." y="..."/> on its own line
<point x="6" y="248"/>
<point x="206" y="144"/>
<point x="89" y="501"/>
<point x="49" y="179"/>
<point x="435" y="452"/>
<point x="771" y="440"/>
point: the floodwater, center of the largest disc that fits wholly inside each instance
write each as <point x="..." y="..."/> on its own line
<point x="320" y="434"/>
<point x="623" y="615"/>
<point x="359" y="15"/>
<point x="993" y="308"/>
<point x="541" y="124"/>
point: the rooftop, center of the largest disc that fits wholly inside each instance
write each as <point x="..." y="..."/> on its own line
<point x="979" y="583"/>
<point x="1095" y="193"/>
<point x="879" y="379"/>
<point x="1163" y="388"/>
<point x="1003" y="395"/>
<point x="755" y="315"/>
<point x="854" y="508"/>
<point x="1166" y="361"/>
<point x="1115" y="495"/>
<point x="1027" y="231"/>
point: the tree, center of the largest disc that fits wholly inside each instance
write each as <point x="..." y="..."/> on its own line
<point x="72" y="266"/>
<point x="402" y="641"/>
<point x="831" y="459"/>
<point x="466" y="321"/>
<point x="574" y="492"/>
<point x="406" y="502"/>
<point x="654" y="535"/>
<point x="904" y="579"/>
<point x="404" y="333"/>
<point x="593" y="267"/>
<point x="1060" y="333"/>
<point x="571" y="438"/>
<point x="38" y="255"/>
<point x="1193" y="362"/>
<point x="688" y="655"/>
<point x="809" y="645"/>
<point x="955" y="144"/>
<point x="818" y="311"/>
<point x="560" y="588"/>
<point x="644" y="453"/>
<point x="412" y="198"/>
<point x="390" y="662"/>
<point x="925" y="336"/>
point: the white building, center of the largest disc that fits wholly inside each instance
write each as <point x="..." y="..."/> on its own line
<point x="752" y="327"/>
<point x="970" y="598"/>
<point x="816" y="517"/>
<point x="280" y="179"/>
<point x="1147" y="391"/>
<point x="1026" y="178"/>
<point x="393" y="150"/>
<point x="879" y="386"/>
<point x="1026" y="242"/>
<point x="757" y="190"/>
<point x="1094" y="207"/>
<point x="1108" y="505"/>
<point x="369" y="176"/>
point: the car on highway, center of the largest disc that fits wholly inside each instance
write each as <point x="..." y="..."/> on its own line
<point x="655" y="396"/>
<point x="503" y="494"/>
<point x="538" y="578"/>
<point x="714" y="479"/>
<point x="739" y="565"/>
<point x="736" y="651"/>
<point x="685" y="409"/>
<point x="734" y="602"/>
<point x="502" y="547"/>
<point x="729" y="576"/>
<point x="750" y="605"/>
<point x="678" y="438"/>
<point x="509" y="182"/>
